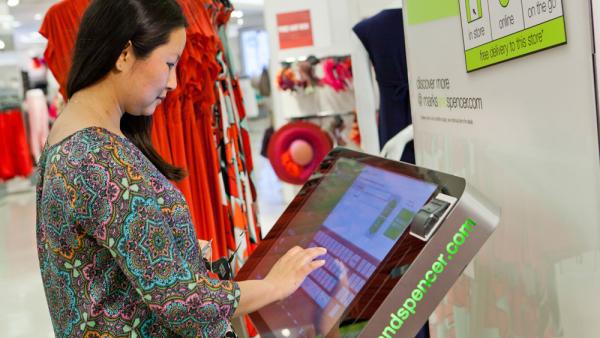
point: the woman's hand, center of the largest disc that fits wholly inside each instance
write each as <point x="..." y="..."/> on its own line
<point x="205" y="249"/>
<point x="284" y="278"/>
<point x="292" y="268"/>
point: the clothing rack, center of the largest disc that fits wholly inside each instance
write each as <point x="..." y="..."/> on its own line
<point x="335" y="57"/>
<point x="321" y="115"/>
<point x="331" y="122"/>
<point x="313" y="59"/>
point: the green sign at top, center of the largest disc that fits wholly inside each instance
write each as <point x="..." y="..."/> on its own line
<point x="423" y="11"/>
<point x="495" y="31"/>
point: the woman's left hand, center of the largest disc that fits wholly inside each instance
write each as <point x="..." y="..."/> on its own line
<point x="206" y="248"/>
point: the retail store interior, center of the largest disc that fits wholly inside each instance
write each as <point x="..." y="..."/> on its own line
<point x="501" y="96"/>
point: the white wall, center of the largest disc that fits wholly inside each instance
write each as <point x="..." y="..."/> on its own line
<point x="332" y="21"/>
<point x="368" y="8"/>
<point x="532" y="149"/>
<point x="332" y="32"/>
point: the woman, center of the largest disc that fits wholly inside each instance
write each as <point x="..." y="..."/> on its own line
<point x="118" y="253"/>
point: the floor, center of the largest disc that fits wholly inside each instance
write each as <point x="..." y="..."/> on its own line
<point x="271" y="201"/>
<point x="23" y="309"/>
<point x="23" y="312"/>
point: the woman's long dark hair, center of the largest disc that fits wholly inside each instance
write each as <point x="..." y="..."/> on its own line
<point x="106" y="28"/>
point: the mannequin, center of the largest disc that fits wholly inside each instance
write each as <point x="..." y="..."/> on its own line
<point x="381" y="41"/>
<point x="382" y="37"/>
<point x="367" y="103"/>
<point x="37" y="111"/>
<point x="394" y="148"/>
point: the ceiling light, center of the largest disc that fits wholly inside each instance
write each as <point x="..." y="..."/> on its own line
<point x="2" y="44"/>
<point x="38" y="17"/>
<point x="237" y="14"/>
<point x="12" y="3"/>
<point x="240" y="22"/>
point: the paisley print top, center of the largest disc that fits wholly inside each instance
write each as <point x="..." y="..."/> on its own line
<point x="118" y="252"/>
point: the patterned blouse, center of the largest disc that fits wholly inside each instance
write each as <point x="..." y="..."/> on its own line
<point x="117" y="249"/>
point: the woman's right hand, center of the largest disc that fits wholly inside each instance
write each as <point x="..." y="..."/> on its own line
<point x="284" y="279"/>
<point x="292" y="268"/>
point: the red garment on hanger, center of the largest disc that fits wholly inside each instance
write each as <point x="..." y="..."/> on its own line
<point x="15" y="158"/>
<point x="60" y="27"/>
<point x="338" y="74"/>
<point x="187" y="116"/>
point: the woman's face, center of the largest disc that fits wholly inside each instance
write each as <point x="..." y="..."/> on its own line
<point x="145" y="83"/>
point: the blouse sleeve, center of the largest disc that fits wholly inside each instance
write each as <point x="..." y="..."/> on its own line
<point x="116" y="205"/>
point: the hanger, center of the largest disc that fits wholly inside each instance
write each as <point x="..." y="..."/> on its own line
<point x="313" y="60"/>
<point x="222" y="266"/>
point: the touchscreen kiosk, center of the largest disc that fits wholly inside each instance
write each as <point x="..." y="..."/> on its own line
<point x="398" y="237"/>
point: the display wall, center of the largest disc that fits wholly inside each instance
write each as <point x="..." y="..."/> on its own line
<point x="298" y="29"/>
<point x="525" y="133"/>
<point x="331" y="31"/>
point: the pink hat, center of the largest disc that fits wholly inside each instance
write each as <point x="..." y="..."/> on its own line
<point x="296" y="149"/>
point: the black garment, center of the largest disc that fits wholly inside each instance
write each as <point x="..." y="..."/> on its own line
<point x="383" y="38"/>
<point x="264" y="150"/>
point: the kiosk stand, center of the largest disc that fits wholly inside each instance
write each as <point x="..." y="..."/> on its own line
<point x="398" y="237"/>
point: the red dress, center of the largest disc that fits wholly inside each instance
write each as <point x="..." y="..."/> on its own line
<point x="60" y="27"/>
<point x="15" y="157"/>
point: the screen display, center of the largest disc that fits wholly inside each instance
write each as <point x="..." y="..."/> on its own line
<point x="383" y="200"/>
<point x="359" y="213"/>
